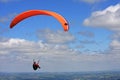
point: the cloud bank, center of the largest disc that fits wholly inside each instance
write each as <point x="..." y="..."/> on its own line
<point x="55" y="37"/>
<point x="107" y="18"/>
<point x="53" y="57"/>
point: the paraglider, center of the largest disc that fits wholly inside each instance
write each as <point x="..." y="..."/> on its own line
<point x="30" y="13"/>
<point x="36" y="65"/>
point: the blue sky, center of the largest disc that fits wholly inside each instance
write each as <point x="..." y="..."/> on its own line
<point x="92" y="41"/>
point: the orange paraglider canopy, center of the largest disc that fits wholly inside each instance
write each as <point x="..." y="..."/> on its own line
<point x="30" y="13"/>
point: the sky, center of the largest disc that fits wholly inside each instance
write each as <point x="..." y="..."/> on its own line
<point x="92" y="42"/>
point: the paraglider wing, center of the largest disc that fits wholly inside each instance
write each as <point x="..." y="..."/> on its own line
<point x="30" y="13"/>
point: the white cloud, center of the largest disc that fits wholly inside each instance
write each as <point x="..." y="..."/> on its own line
<point x="20" y="53"/>
<point x="107" y="18"/>
<point x="90" y="1"/>
<point x="115" y="45"/>
<point x="24" y="51"/>
<point x="24" y="48"/>
<point x="55" y="37"/>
